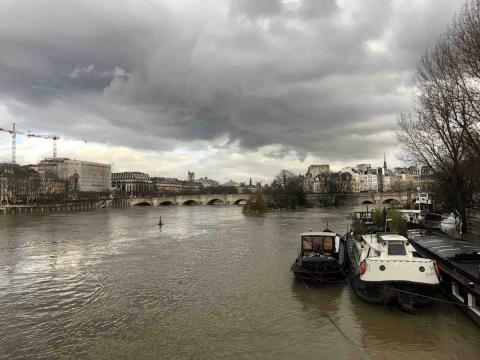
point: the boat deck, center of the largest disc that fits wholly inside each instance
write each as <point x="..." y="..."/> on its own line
<point x="461" y="254"/>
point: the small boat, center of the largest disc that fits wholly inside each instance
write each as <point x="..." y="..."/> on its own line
<point x="459" y="265"/>
<point x="319" y="257"/>
<point x="413" y="217"/>
<point x="384" y="269"/>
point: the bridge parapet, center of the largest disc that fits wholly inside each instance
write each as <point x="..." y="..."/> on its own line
<point x="201" y="199"/>
<point x="373" y="198"/>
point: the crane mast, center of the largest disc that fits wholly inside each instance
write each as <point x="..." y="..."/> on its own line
<point x="14" y="133"/>
<point x="14" y="145"/>
<point x="54" y="138"/>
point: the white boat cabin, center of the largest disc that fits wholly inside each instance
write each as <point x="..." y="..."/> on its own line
<point x="319" y="242"/>
<point x="412" y="216"/>
<point x="389" y="257"/>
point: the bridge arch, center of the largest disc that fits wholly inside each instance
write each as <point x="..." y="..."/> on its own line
<point x="391" y="202"/>
<point x="216" y="201"/>
<point x="368" y="202"/>
<point x="240" y="202"/>
<point x="190" y="202"/>
<point x="143" y="203"/>
<point x="166" y="203"/>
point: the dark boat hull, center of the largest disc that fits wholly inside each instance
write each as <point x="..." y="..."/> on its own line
<point x="455" y="274"/>
<point x="405" y="294"/>
<point x="319" y="272"/>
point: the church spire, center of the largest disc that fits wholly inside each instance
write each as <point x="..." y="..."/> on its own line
<point x="384" y="162"/>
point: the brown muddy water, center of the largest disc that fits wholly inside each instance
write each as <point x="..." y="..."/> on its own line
<point x="210" y="284"/>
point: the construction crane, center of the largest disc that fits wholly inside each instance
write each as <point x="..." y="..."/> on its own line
<point x="14" y="133"/>
<point x="54" y="138"/>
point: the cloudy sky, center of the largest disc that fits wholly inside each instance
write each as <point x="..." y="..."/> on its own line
<point x="230" y="89"/>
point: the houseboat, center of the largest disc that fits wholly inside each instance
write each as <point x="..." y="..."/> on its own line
<point x="413" y="217"/>
<point x="384" y="269"/>
<point x="318" y="258"/>
<point x="459" y="265"/>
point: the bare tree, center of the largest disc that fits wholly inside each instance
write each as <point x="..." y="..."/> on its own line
<point x="444" y="132"/>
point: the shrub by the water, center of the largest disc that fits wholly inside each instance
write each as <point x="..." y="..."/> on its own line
<point x="398" y="223"/>
<point x="256" y="204"/>
<point x="357" y="228"/>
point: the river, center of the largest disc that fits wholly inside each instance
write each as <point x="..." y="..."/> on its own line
<point x="212" y="283"/>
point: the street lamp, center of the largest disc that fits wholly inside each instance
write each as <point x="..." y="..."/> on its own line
<point x="418" y="190"/>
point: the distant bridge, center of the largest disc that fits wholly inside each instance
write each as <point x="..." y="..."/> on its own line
<point x="367" y="198"/>
<point x="226" y="199"/>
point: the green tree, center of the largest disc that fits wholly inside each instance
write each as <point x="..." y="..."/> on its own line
<point x="256" y="204"/>
<point x="377" y="217"/>
<point x="398" y="223"/>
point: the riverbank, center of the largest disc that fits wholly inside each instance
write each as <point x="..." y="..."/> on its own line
<point x="63" y="207"/>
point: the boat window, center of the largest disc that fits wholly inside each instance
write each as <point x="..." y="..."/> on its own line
<point x="328" y="244"/>
<point x="396" y="249"/>
<point x="457" y="291"/>
<point x="307" y="243"/>
<point x="474" y="303"/>
<point x="318" y="242"/>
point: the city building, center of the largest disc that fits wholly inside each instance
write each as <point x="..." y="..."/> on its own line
<point x="84" y="176"/>
<point x="163" y="185"/>
<point x="18" y="184"/>
<point x="131" y="183"/>
<point x="315" y="179"/>
<point x="363" y="167"/>
<point x="365" y="178"/>
<point x="231" y="183"/>
<point x="51" y="186"/>
<point x="315" y="170"/>
<point x="206" y="182"/>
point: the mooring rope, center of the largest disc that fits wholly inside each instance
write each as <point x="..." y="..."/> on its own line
<point x="427" y="297"/>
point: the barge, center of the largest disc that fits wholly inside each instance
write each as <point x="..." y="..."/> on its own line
<point x="459" y="265"/>
<point x="318" y="258"/>
<point x="384" y="269"/>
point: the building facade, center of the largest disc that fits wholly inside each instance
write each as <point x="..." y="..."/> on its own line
<point x="206" y="182"/>
<point x="84" y="176"/>
<point x="132" y="183"/>
<point x="18" y="184"/>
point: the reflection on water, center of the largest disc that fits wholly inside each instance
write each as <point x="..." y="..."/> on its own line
<point x="211" y="283"/>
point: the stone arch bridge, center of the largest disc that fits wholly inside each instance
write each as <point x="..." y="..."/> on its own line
<point x="367" y="198"/>
<point x="226" y="199"/>
<point x="392" y="198"/>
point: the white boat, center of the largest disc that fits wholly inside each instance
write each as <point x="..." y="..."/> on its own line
<point x="385" y="269"/>
<point x="412" y="216"/>
<point x="423" y="199"/>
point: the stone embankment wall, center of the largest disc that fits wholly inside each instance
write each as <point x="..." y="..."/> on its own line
<point x="65" y="207"/>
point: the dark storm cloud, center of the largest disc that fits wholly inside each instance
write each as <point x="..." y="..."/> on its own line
<point x="314" y="77"/>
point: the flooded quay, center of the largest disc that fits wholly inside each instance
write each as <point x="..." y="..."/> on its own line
<point x="211" y="283"/>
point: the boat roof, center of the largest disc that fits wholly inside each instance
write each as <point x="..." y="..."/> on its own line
<point x="444" y="246"/>
<point x="461" y="254"/>
<point x="392" y="237"/>
<point x="407" y="211"/>
<point x="318" y="233"/>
